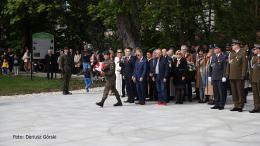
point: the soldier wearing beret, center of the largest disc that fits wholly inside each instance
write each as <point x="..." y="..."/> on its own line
<point x="109" y="73"/>
<point x="66" y="65"/>
<point x="255" y="78"/>
<point x="236" y="72"/>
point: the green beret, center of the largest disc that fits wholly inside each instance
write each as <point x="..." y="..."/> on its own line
<point x="65" y="48"/>
<point x="106" y="52"/>
<point x="86" y="44"/>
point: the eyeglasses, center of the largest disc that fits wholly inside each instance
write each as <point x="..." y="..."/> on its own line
<point x="119" y="52"/>
<point x="179" y="54"/>
<point x="138" y="55"/>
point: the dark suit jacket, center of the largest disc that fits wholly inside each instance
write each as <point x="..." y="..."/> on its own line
<point x="140" y="70"/>
<point x="129" y="67"/>
<point x="163" y="67"/>
<point x="179" y="72"/>
<point x="151" y="66"/>
<point x="49" y="59"/>
<point x="217" y="67"/>
<point x="72" y="55"/>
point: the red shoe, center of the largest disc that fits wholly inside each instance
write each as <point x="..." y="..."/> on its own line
<point x="159" y="103"/>
<point x="164" y="103"/>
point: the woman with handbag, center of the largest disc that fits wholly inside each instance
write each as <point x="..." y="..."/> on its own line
<point x="27" y="60"/>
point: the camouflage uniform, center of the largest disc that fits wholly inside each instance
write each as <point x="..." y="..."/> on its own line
<point x="66" y="65"/>
<point x="110" y="76"/>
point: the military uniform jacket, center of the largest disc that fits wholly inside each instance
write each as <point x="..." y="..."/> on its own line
<point x="66" y="62"/>
<point x="109" y="70"/>
<point x="217" y="67"/>
<point x="255" y="69"/>
<point x="236" y="65"/>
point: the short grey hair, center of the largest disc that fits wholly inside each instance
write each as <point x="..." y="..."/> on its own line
<point x="184" y="46"/>
<point x="197" y="47"/>
<point x="158" y="50"/>
<point x="140" y="52"/>
<point x="170" y="52"/>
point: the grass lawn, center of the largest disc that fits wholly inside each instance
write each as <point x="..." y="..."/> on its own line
<point x="14" y="85"/>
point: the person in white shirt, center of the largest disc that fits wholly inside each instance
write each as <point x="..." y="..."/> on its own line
<point x="118" y="71"/>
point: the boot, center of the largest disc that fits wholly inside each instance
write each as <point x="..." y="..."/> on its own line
<point x="101" y="103"/>
<point x="119" y="102"/>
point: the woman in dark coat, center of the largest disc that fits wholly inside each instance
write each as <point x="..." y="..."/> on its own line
<point x="178" y="75"/>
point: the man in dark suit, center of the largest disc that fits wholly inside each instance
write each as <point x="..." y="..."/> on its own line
<point x="217" y="74"/>
<point x="152" y="84"/>
<point x="140" y="76"/>
<point x="129" y="65"/>
<point x="164" y="53"/>
<point x="161" y="74"/>
<point x="50" y="60"/>
<point x="72" y="54"/>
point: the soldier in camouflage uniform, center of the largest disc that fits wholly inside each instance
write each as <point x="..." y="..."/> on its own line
<point x="66" y="66"/>
<point x="109" y="73"/>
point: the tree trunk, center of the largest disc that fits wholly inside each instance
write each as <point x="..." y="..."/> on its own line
<point x="129" y="27"/>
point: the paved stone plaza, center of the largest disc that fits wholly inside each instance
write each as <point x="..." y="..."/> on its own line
<point x="76" y="120"/>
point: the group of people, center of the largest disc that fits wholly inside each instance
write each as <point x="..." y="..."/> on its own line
<point x="9" y="61"/>
<point x="163" y="75"/>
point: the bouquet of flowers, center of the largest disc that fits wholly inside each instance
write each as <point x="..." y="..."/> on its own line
<point x="191" y="67"/>
<point x="121" y="63"/>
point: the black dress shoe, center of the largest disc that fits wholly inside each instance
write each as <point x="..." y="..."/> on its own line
<point x="240" y="110"/>
<point x="181" y="102"/>
<point x="69" y="93"/>
<point x="64" y="93"/>
<point x="200" y="101"/>
<point x="220" y="108"/>
<point x="234" y="109"/>
<point x="123" y="96"/>
<point x="177" y="102"/>
<point x="132" y="101"/>
<point x="254" y="111"/>
<point x="127" y="101"/>
<point x="215" y="107"/>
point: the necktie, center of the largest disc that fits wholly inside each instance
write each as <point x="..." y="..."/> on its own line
<point x="127" y="60"/>
<point x="139" y="62"/>
<point x="184" y="56"/>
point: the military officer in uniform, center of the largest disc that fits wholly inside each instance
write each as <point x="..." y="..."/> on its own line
<point x="217" y="74"/>
<point x="66" y="65"/>
<point x="109" y="73"/>
<point x="236" y="72"/>
<point x="255" y="78"/>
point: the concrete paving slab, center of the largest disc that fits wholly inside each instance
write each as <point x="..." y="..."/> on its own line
<point x="76" y="120"/>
